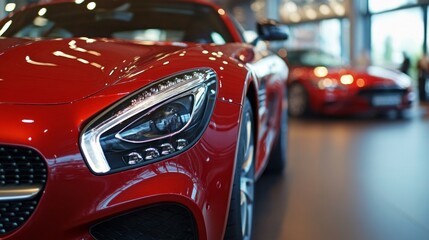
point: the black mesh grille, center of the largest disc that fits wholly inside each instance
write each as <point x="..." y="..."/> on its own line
<point x="19" y="166"/>
<point x="167" y="221"/>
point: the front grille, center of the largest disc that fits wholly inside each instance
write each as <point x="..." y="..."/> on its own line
<point x="20" y="168"/>
<point x="165" y="221"/>
<point x="369" y="92"/>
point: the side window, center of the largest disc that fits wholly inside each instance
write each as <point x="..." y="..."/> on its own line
<point x="217" y="38"/>
<point x="150" y="35"/>
<point x="42" y="27"/>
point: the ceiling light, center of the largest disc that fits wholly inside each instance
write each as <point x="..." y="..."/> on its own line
<point x="295" y="17"/>
<point x="325" y="9"/>
<point x="290" y="7"/>
<point x="338" y="8"/>
<point x="311" y="13"/>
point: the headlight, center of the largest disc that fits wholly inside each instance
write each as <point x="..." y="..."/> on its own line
<point x="326" y="83"/>
<point x="154" y="123"/>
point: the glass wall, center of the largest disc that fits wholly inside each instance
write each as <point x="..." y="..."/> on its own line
<point x="328" y="35"/>
<point x="396" y="33"/>
<point x="427" y="30"/>
<point x="317" y="24"/>
<point x="383" y="5"/>
<point x="294" y="11"/>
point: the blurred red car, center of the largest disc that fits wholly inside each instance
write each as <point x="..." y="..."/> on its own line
<point x="319" y="83"/>
<point x="135" y="119"/>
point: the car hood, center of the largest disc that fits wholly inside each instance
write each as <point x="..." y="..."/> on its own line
<point x="384" y="76"/>
<point x="66" y="70"/>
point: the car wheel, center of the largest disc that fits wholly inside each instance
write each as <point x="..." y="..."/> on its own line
<point x="297" y="100"/>
<point x="278" y="157"/>
<point x="240" y="218"/>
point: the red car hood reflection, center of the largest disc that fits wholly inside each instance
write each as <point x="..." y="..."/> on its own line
<point x="66" y="70"/>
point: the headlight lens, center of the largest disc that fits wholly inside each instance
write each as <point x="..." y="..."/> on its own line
<point x="167" y="119"/>
<point x="326" y="83"/>
<point x="154" y="123"/>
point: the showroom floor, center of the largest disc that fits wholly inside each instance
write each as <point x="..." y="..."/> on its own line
<point x="350" y="178"/>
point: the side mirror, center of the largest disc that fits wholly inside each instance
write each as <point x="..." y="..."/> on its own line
<point x="271" y="30"/>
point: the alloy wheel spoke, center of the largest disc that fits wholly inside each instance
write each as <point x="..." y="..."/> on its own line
<point x="246" y="204"/>
<point x="249" y="147"/>
<point x="244" y="209"/>
<point x="247" y="176"/>
<point x="247" y="188"/>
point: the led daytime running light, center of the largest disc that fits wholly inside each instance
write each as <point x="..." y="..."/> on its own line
<point x="164" y="87"/>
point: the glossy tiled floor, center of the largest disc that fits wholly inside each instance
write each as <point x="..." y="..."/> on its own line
<point x="353" y="178"/>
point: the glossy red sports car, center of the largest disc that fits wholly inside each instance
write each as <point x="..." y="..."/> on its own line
<point x="319" y="83"/>
<point x="133" y="119"/>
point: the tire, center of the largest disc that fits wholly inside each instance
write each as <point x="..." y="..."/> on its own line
<point x="278" y="156"/>
<point x="298" y="101"/>
<point x="400" y="114"/>
<point x="240" y="217"/>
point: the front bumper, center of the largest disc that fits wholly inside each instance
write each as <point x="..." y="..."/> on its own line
<point x="346" y="102"/>
<point x="74" y="200"/>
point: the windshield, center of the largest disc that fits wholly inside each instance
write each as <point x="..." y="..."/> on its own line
<point x="122" y="19"/>
<point x="313" y="58"/>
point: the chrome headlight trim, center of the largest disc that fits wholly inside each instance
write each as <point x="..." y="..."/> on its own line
<point x="201" y="84"/>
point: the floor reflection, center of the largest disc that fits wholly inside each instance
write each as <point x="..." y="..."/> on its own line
<point x="350" y="178"/>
